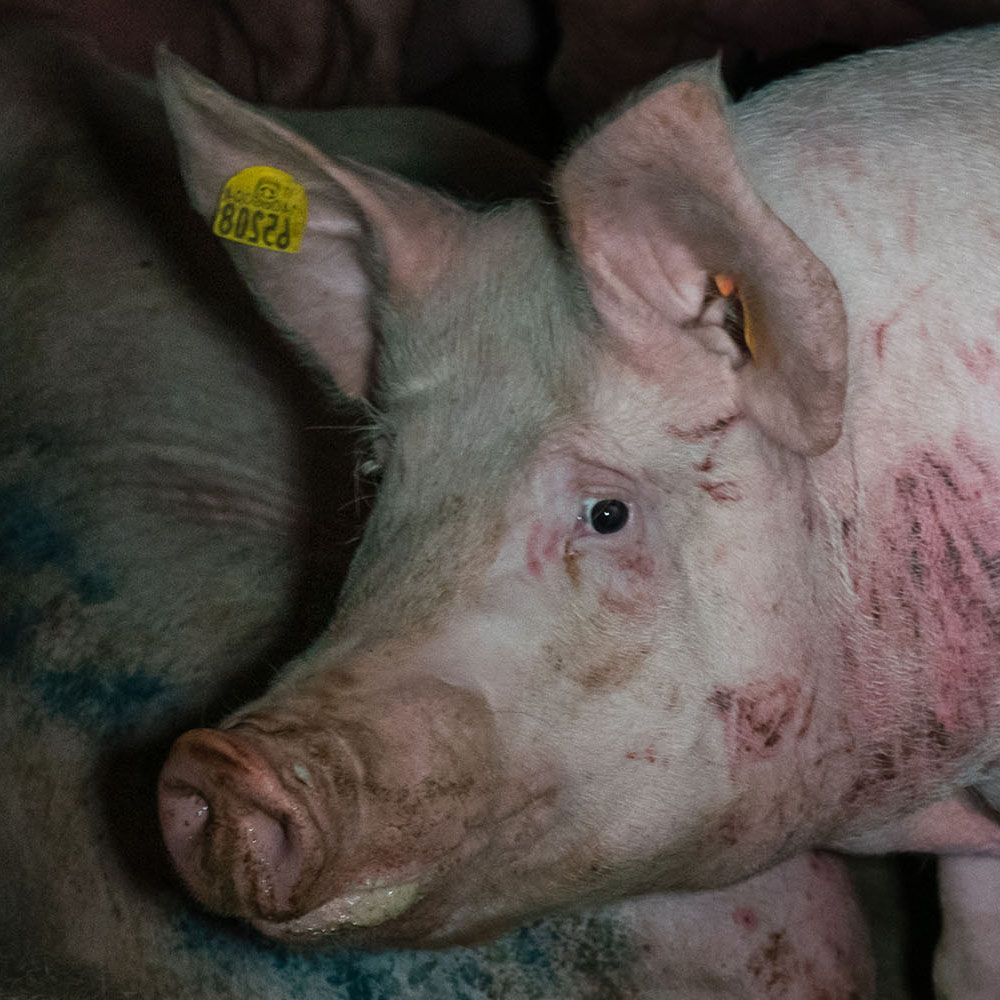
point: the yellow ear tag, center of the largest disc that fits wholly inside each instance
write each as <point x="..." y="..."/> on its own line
<point x="726" y="284"/>
<point x="262" y="207"/>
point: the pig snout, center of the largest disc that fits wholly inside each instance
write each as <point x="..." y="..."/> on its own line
<point x="242" y="841"/>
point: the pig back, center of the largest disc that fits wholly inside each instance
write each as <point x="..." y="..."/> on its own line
<point x="885" y="165"/>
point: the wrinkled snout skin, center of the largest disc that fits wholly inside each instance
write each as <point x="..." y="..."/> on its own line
<point x="340" y="805"/>
<point x="684" y="555"/>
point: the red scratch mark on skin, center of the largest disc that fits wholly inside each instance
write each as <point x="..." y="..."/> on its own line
<point x="980" y="359"/>
<point x="881" y="329"/>
<point x="571" y="563"/>
<point x="541" y="548"/>
<point x="838" y="207"/>
<point x="648" y="756"/>
<point x="722" y="491"/>
<point x="928" y="588"/>
<point x="931" y="586"/>
<point x="880" y="339"/>
<point x="807" y="717"/>
<point x="756" y="717"/>
<point x="531" y="557"/>
<point x="745" y="917"/>
<point x="640" y="565"/>
<point x="703" y="431"/>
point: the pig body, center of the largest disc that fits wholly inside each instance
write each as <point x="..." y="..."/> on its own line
<point x="683" y="560"/>
<point x="176" y="508"/>
<point x="606" y="50"/>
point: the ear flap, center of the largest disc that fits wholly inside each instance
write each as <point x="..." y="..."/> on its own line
<point x="656" y="206"/>
<point x="314" y="238"/>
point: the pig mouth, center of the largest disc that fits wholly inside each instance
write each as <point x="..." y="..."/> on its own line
<point x="368" y="906"/>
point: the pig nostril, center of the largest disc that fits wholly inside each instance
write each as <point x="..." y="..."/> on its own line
<point x="185" y="810"/>
<point x="243" y="844"/>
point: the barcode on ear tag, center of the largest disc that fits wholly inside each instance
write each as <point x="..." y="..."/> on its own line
<point x="262" y="207"/>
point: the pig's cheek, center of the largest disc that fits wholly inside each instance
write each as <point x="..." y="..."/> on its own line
<point x="621" y="577"/>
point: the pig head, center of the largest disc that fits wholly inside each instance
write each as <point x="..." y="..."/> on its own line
<point x="593" y="641"/>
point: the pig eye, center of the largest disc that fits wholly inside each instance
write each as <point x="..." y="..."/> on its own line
<point x="606" y="516"/>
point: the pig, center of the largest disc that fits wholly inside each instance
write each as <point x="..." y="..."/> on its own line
<point x="684" y="554"/>
<point x="315" y="53"/>
<point x="606" y="49"/>
<point x="177" y="507"/>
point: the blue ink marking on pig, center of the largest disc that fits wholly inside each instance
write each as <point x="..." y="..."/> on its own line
<point x="32" y="538"/>
<point x="14" y="628"/>
<point x="97" y="696"/>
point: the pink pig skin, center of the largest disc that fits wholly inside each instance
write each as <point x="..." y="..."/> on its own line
<point x="751" y="329"/>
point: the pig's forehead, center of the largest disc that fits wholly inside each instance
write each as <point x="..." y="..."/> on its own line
<point x="469" y="387"/>
<point x="503" y="346"/>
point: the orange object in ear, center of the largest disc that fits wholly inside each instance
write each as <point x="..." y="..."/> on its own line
<point x="726" y="284"/>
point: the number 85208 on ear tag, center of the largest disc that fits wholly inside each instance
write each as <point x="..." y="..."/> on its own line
<point x="262" y="207"/>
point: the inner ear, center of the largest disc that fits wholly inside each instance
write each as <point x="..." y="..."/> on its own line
<point x="724" y="306"/>
<point x="658" y="209"/>
<point x="367" y="237"/>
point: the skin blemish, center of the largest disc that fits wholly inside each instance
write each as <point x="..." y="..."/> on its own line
<point x="807" y="716"/>
<point x="929" y="595"/>
<point x="699" y="433"/>
<point x="531" y="558"/>
<point x="571" y="564"/>
<point x="721" y="492"/>
<point x="640" y="565"/>
<point x="746" y="917"/>
<point x="842" y="213"/>
<point x="647" y="756"/>
<point x="756" y="717"/>
<point x="980" y="359"/>
<point x="615" y="669"/>
<point x="880" y="330"/>
<point x="773" y="964"/>
<point x="721" y="699"/>
<point x="542" y="547"/>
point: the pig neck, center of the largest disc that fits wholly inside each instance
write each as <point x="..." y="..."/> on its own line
<point x="912" y="530"/>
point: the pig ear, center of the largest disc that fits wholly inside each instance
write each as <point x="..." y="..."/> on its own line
<point x="365" y="232"/>
<point x="656" y="207"/>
